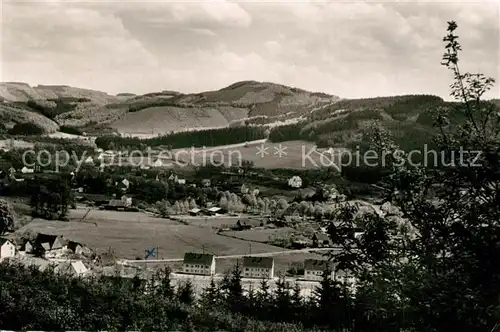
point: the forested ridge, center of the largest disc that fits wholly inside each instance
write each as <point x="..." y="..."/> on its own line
<point x="201" y="138"/>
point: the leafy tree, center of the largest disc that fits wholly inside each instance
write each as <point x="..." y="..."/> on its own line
<point x="26" y="129"/>
<point x="6" y="217"/>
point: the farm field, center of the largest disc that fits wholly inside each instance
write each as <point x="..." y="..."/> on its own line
<point x="221" y="221"/>
<point x="128" y="234"/>
<point x="294" y="155"/>
<point x="165" y="119"/>
<point x="257" y="235"/>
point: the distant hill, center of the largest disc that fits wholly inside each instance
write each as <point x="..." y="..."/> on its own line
<point x="158" y="112"/>
<point x="410" y="119"/>
<point x="289" y="113"/>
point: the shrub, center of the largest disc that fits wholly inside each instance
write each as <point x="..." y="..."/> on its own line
<point x="71" y="130"/>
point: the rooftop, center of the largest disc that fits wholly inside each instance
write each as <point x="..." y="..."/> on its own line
<point x="194" y="258"/>
<point x="3" y="240"/>
<point x="316" y="264"/>
<point x="264" y="262"/>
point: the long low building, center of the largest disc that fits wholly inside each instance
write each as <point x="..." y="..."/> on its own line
<point x="258" y="267"/>
<point x="314" y="269"/>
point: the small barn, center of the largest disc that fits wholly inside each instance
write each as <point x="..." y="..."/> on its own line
<point x="195" y="212"/>
<point x="321" y="240"/>
<point x="212" y="211"/>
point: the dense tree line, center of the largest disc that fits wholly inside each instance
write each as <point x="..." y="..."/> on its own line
<point x="51" y="198"/>
<point x="46" y="160"/>
<point x="374" y="103"/>
<point x="62" y="105"/>
<point x="210" y="137"/>
<point x="26" y="129"/>
<point x="70" y="130"/>
<point x="44" y="300"/>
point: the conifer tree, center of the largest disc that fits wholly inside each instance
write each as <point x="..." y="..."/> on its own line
<point x="210" y="297"/>
<point x="185" y="292"/>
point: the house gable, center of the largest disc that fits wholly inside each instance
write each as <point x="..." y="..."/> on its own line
<point x="49" y="242"/>
<point x="316" y="265"/>
<point x="258" y="262"/>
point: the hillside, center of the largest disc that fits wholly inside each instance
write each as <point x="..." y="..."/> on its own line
<point x="22" y="92"/>
<point x="410" y="119"/>
<point x="158" y="112"/>
<point x="290" y="114"/>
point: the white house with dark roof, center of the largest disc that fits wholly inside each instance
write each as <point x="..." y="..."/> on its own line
<point x="258" y="267"/>
<point x="203" y="264"/>
<point x="314" y="269"/>
<point x="45" y="243"/>
<point x="7" y="248"/>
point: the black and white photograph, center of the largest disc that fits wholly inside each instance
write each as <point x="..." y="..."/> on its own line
<point x="250" y="165"/>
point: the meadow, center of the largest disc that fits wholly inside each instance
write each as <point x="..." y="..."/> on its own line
<point x="292" y="155"/>
<point x="128" y="234"/>
<point x="258" y="235"/>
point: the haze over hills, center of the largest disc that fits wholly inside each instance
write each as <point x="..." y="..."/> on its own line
<point x="153" y="113"/>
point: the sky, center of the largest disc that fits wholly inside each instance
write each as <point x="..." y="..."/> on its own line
<point x="346" y="48"/>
